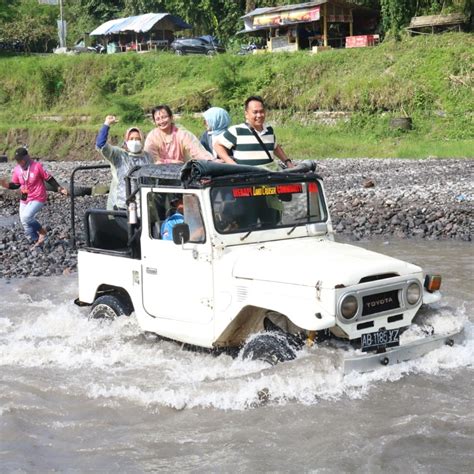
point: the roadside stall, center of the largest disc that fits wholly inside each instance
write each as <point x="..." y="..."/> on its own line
<point x="431" y="24"/>
<point x="148" y="32"/>
<point x="312" y="25"/>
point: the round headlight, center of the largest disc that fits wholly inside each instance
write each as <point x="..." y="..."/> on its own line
<point x="349" y="307"/>
<point x="413" y="293"/>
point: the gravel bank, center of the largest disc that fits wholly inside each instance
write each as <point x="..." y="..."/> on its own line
<point x="367" y="198"/>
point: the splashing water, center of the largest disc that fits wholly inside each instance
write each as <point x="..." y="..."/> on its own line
<point x="44" y="336"/>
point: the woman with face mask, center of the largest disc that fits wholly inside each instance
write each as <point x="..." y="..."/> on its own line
<point x="122" y="159"/>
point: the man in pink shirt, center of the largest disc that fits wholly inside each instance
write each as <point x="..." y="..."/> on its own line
<point x="169" y="144"/>
<point x="29" y="176"/>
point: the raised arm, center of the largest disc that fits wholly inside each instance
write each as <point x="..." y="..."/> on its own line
<point x="106" y="150"/>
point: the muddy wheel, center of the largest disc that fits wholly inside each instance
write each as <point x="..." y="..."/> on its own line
<point x="271" y="348"/>
<point x="109" y="307"/>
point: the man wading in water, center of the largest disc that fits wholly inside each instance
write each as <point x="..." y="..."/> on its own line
<point x="30" y="177"/>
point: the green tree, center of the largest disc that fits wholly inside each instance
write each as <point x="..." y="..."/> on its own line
<point x="396" y="14"/>
<point x="30" y="23"/>
<point x="137" y="7"/>
<point x="7" y="9"/>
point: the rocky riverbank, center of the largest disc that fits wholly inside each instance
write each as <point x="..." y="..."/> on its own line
<point x="367" y="198"/>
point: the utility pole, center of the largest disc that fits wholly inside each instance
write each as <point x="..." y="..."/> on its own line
<point x="62" y="36"/>
<point x="61" y="24"/>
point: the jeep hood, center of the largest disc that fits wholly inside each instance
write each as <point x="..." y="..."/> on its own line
<point x="307" y="261"/>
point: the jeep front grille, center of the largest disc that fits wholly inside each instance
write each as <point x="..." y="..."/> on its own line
<point x="380" y="302"/>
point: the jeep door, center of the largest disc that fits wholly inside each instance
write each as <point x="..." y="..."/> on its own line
<point x="177" y="281"/>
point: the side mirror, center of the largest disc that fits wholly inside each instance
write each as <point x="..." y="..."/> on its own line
<point x="181" y="234"/>
<point x="319" y="228"/>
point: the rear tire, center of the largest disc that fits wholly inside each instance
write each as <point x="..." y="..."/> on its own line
<point x="178" y="52"/>
<point x="109" y="307"/>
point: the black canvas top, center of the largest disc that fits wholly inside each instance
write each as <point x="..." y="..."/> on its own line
<point x="200" y="173"/>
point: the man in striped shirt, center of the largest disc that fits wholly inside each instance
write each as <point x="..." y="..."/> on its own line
<point x="252" y="142"/>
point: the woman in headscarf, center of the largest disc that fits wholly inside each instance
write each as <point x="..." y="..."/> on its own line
<point x="122" y="159"/>
<point x="167" y="143"/>
<point x="217" y="122"/>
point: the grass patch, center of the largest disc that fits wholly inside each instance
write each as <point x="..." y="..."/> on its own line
<point x="428" y="78"/>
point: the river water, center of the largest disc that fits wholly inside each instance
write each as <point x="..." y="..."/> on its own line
<point x="79" y="396"/>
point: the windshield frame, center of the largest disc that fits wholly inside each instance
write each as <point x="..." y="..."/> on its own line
<point x="302" y="221"/>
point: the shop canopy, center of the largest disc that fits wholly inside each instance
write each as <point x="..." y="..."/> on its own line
<point x="273" y="17"/>
<point x="141" y="24"/>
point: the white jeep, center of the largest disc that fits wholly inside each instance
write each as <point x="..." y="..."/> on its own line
<point x="250" y="263"/>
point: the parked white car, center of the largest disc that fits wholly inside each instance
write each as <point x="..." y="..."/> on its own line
<point x="252" y="265"/>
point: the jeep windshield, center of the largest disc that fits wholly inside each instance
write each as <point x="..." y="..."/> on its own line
<point x="246" y="208"/>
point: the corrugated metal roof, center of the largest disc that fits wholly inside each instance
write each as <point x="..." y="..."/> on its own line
<point x="138" y="24"/>
<point x="297" y="6"/>
<point x="105" y="27"/>
<point x="293" y="6"/>
<point x="257" y="11"/>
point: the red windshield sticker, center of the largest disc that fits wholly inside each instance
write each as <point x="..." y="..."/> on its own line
<point x="267" y="190"/>
<point x="313" y="187"/>
<point x="242" y="192"/>
<point x="289" y="188"/>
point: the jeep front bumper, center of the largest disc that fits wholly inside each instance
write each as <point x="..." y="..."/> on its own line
<point x="395" y="355"/>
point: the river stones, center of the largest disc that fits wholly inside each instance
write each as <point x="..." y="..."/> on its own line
<point x="367" y="198"/>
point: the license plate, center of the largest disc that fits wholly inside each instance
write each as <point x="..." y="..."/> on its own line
<point x="380" y="339"/>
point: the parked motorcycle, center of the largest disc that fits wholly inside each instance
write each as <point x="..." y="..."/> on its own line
<point x="247" y="49"/>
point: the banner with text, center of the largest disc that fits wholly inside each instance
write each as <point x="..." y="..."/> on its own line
<point x="284" y="18"/>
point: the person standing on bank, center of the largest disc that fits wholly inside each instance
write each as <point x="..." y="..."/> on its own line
<point x="122" y="159"/>
<point x="252" y="142"/>
<point x="168" y="143"/>
<point x="29" y="176"/>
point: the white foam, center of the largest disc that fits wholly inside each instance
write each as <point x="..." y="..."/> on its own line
<point x="113" y="362"/>
<point x="5" y="323"/>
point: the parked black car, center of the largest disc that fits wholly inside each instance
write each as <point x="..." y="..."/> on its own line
<point x="202" y="45"/>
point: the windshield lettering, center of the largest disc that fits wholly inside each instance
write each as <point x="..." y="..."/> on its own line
<point x="268" y="190"/>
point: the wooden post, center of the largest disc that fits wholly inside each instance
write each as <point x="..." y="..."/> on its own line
<point x="351" y="29"/>
<point x="325" y="24"/>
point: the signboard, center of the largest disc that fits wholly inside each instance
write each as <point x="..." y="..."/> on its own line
<point x="48" y="2"/>
<point x="281" y="43"/>
<point x="284" y="18"/>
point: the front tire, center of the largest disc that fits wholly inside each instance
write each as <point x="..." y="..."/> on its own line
<point x="269" y="347"/>
<point x="109" y="307"/>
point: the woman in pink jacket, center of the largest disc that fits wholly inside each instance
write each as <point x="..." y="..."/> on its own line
<point x="168" y="143"/>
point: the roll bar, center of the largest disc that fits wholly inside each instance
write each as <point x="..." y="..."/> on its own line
<point x="71" y="191"/>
